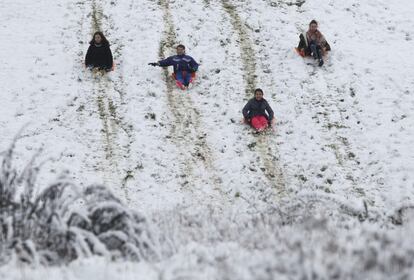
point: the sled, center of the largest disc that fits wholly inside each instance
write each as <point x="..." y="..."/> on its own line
<point x="309" y="58"/>
<point x="260" y="124"/>
<point x="300" y="52"/>
<point x="180" y="85"/>
<point x="97" y="71"/>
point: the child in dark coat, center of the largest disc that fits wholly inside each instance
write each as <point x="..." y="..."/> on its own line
<point x="257" y="112"/>
<point x="99" y="55"/>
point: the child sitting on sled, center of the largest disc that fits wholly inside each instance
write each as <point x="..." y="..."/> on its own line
<point x="184" y="65"/>
<point x="99" y="55"/>
<point x="257" y="112"/>
<point x="313" y="43"/>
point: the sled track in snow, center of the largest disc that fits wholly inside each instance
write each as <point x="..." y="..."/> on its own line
<point x="106" y="111"/>
<point x="109" y="130"/>
<point x="323" y="109"/>
<point x="330" y="116"/>
<point x="246" y="48"/>
<point x="99" y="91"/>
<point x="268" y="153"/>
<point x="76" y="111"/>
<point x="108" y="107"/>
<point x="339" y="144"/>
<point x="186" y="130"/>
<point x="97" y="15"/>
<point x="118" y="85"/>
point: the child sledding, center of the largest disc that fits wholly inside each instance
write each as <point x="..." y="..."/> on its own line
<point x="185" y="67"/>
<point x="258" y="113"/>
<point x="313" y="43"/>
<point x="99" y="56"/>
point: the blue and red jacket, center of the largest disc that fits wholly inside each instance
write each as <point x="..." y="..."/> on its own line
<point x="180" y="63"/>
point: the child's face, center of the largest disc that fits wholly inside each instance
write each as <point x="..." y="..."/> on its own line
<point x="313" y="27"/>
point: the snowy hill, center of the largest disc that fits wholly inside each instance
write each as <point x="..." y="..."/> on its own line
<point x="328" y="195"/>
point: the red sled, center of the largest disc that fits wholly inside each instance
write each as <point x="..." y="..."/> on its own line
<point x="260" y="123"/>
<point x="180" y="85"/>
<point x="300" y="52"/>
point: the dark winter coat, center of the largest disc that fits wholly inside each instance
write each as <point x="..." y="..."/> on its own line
<point x="304" y="44"/>
<point x="180" y="63"/>
<point x="257" y="108"/>
<point x="99" y="56"/>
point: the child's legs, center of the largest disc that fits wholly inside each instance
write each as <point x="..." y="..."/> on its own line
<point x="186" y="78"/>
<point x="179" y="80"/>
<point x="316" y="50"/>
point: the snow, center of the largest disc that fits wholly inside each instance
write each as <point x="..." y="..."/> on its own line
<point x="315" y="197"/>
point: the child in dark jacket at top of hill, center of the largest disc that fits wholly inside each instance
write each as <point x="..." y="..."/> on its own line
<point x="184" y="67"/>
<point x="99" y="55"/>
<point x="257" y="112"/>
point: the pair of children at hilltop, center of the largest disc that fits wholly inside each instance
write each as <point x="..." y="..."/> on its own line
<point x="257" y="112"/>
<point x="99" y="58"/>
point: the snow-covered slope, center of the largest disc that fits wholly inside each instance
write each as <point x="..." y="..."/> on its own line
<point x="320" y="197"/>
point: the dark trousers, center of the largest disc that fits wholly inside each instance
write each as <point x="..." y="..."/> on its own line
<point x="316" y="50"/>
